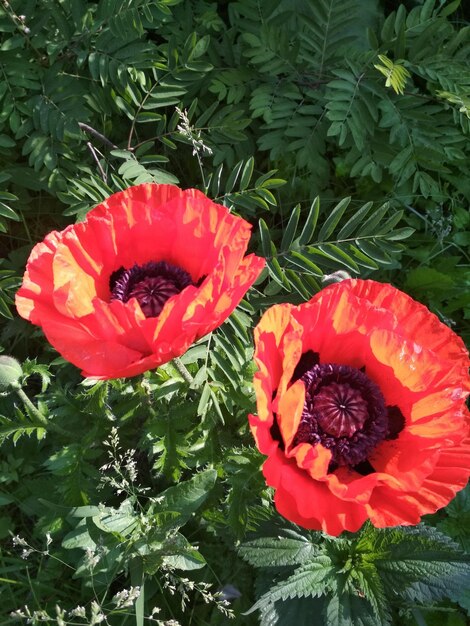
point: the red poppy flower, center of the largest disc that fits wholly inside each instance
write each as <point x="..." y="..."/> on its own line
<point x="361" y="408"/>
<point x="148" y="272"/>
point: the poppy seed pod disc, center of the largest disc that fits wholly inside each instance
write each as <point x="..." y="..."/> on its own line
<point x="361" y="408"/>
<point x="150" y="270"/>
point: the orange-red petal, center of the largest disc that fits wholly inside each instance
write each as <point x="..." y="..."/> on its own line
<point x="66" y="286"/>
<point x="420" y="366"/>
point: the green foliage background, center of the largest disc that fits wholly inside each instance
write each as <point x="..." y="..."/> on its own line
<point x="340" y="129"/>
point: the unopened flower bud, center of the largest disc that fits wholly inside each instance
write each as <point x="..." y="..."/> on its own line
<point x="10" y="372"/>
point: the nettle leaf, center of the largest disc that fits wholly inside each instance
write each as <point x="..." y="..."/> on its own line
<point x="312" y="579"/>
<point x="351" y="610"/>
<point x="457" y="522"/>
<point x="365" y="582"/>
<point x="300" y="611"/>
<point x="421" y="564"/>
<point x="276" y="551"/>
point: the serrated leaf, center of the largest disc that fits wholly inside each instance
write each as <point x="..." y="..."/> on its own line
<point x="421" y="563"/>
<point x="350" y="610"/>
<point x="313" y="579"/>
<point x="299" y="611"/>
<point x="275" y="551"/>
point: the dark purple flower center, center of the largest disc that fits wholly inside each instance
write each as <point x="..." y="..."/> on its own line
<point x="345" y="411"/>
<point x="152" y="284"/>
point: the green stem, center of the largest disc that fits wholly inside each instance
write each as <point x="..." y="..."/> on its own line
<point x="182" y="370"/>
<point x="41" y="420"/>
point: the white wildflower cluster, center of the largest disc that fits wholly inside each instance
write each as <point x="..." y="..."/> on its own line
<point x="155" y="611"/>
<point x="193" y="135"/>
<point x="97" y="616"/>
<point x="126" y="597"/>
<point x="183" y="586"/>
<point x="92" y="558"/>
<point x="78" y="611"/>
<point x="20" y="542"/>
<point x="61" y="617"/>
<point x="123" y="466"/>
<point x="31" y="617"/>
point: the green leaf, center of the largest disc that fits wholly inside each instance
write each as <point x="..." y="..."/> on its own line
<point x="186" y="497"/>
<point x="79" y="537"/>
<point x="121" y="521"/>
<point x="276" y="273"/>
<point x="350" y="610"/>
<point x="275" y="551"/>
<point x="400" y="233"/>
<point x="247" y="174"/>
<point x="354" y="221"/>
<point x="422" y="564"/>
<point x="232" y="179"/>
<point x="333" y="218"/>
<point x="340" y="256"/>
<point x="301" y="261"/>
<point x="291" y="228"/>
<point x="265" y="238"/>
<point x="298" y="612"/>
<point x="369" y="226"/>
<point x="312" y="579"/>
<point x="310" y="223"/>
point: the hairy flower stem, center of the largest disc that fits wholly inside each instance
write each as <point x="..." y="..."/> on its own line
<point x="182" y="370"/>
<point x="41" y="420"/>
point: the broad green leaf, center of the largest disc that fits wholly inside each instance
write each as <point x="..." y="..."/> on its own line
<point x="312" y="579"/>
<point x="274" y="551"/>
<point x="186" y="497"/>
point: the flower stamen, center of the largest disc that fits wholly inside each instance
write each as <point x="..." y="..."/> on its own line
<point x="151" y="284"/>
<point x="344" y="411"/>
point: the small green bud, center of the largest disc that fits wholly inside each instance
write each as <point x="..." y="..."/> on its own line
<point x="10" y="372"/>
